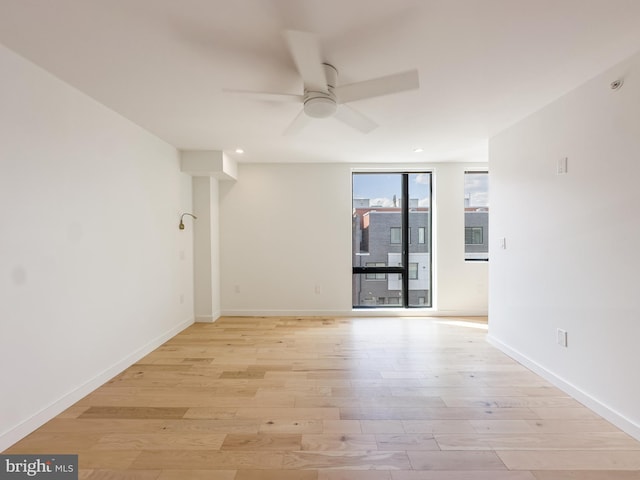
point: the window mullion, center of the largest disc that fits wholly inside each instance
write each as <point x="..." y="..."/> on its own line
<point x="405" y="239"/>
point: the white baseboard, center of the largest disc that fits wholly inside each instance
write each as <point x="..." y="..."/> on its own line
<point x="619" y="420"/>
<point x="283" y="313"/>
<point x="27" y="426"/>
<point x="364" y="312"/>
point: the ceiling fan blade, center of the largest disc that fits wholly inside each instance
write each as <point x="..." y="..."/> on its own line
<point x="305" y="50"/>
<point x="377" y="87"/>
<point x="267" y="96"/>
<point x="298" y="124"/>
<point x="355" y="119"/>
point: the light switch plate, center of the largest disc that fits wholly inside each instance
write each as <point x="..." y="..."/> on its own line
<point x="562" y="338"/>
<point x="563" y="165"/>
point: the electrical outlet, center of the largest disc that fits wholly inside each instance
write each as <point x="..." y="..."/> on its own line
<point x="562" y="338"/>
<point x="318" y="290"/>
<point x="236" y="289"/>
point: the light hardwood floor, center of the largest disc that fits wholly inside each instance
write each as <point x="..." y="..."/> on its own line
<point x="334" y="399"/>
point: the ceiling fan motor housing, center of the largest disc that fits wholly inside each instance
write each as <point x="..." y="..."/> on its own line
<point x="322" y="104"/>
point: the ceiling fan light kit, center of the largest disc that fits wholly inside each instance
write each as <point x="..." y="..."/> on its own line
<point x="319" y="105"/>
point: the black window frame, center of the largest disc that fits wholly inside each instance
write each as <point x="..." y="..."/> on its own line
<point x="403" y="271"/>
<point x="466" y="259"/>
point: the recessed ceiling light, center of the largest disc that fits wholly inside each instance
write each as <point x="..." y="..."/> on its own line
<point x="418" y="150"/>
<point x="239" y="150"/>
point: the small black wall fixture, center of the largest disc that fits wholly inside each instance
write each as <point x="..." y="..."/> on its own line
<point x="181" y="226"/>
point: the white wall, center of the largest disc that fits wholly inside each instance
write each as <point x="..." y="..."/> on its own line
<point x="286" y="229"/>
<point x="462" y="287"/>
<point x="206" y="249"/>
<point x="572" y="243"/>
<point x="93" y="269"/>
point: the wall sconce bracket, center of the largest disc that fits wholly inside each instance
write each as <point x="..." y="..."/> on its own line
<point x="181" y="226"/>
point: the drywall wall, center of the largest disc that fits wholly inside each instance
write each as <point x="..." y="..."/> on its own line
<point x="94" y="271"/>
<point x="571" y="239"/>
<point x="285" y="242"/>
<point x="206" y="249"/>
<point x="461" y="287"/>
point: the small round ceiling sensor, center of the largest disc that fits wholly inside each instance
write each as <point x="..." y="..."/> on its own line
<point x="616" y="84"/>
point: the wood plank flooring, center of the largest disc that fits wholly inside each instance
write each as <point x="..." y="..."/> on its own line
<point x="334" y="399"/>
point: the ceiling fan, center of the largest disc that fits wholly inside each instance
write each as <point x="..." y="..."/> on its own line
<point x="322" y="96"/>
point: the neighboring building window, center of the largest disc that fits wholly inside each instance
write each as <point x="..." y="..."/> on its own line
<point x="396" y="235"/>
<point x="476" y="216"/>
<point x="421" y="235"/>
<point x="376" y="276"/>
<point x="413" y="271"/>
<point x="473" y="235"/>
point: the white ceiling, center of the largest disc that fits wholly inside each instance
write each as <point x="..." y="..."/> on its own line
<point x="483" y="64"/>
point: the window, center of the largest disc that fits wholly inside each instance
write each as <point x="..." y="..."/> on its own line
<point x="476" y="216"/>
<point x="473" y="235"/>
<point x="396" y="235"/>
<point x="413" y="271"/>
<point x="376" y="276"/>
<point x="389" y="267"/>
